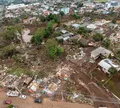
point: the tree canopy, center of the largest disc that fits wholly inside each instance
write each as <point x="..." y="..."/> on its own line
<point x="53" y="50"/>
<point x="106" y="43"/>
<point x="112" y="70"/>
<point x="10" y="33"/>
<point x="98" y="37"/>
<point x="38" y="36"/>
<point x="75" y="16"/>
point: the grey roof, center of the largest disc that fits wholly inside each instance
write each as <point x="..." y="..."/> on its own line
<point x="102" y="51"/>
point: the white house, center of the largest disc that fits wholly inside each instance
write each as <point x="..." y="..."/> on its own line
<point x="106" y="64"/>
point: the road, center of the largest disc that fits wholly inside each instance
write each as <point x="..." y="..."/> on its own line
<point x="28" y="103"/>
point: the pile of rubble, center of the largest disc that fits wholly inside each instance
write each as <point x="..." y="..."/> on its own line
<point x="81" y="98"/>
<point x="63" y="71"/>
<point x="77" y="56"/>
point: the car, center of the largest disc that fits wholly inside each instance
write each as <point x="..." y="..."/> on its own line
<point x="7" y="102"/>
<point x="22" y="96"/>
<point x="38" y="100"/>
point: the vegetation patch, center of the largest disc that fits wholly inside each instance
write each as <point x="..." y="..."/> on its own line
<point x="19" y="71"/>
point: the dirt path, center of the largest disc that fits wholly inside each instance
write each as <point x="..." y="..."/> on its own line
<point x="28" y="103"/>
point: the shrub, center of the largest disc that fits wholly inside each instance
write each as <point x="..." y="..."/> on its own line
<point x="10" y="106"/>
<point x="60" y="50"/>
<point x="106" y="43"/>
<point x="98" y="37"/>
<point x="114" y="21"/>
<point x="112" y="70"/>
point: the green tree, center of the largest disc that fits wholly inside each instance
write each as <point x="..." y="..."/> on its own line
<point x="75" y="16"/>
<point x="10" y="34"/>
<point x="49" y="29"/>
<point x="16" y="20"/>
<point x="50" y="26"/>
<point x="60" y="50"/>
<point x="38" y="36"/>
<point x="47" y="33"/>
<point x="53" y="17"/>
<point x="53" y="50"/>
<point x="98" y="37"/>
<point x="50" y="17"/>
<point x="57" y="33"/>
<point x="10" y="106"/>
<point x="106" y="43"/>
<point x="42" y="18"/>
<point x="7" y="51"/>
<point x="19" y="29"/>
<point x="86" y="36"/>
<point x="79" y="4"/>
<point x="36" y="23"/>
<point x="114" y="21"/>
<point x="118" y="53"/>
<point x="82" y="30"/>
<point x="62" y="13"/>
<point x="112" y="70"/>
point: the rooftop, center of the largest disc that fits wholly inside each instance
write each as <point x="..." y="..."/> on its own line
<point x="101" y="50"/>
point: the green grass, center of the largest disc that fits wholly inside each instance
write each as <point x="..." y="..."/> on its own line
<point x="18" y="71"/>
<point x="114" y="87"/>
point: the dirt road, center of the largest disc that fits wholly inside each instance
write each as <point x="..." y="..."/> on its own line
<point x="28" y="103"/>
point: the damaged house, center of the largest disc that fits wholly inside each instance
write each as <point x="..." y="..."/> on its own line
<point x="101" y="52"/>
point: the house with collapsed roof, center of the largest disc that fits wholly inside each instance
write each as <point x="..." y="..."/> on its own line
<point x="50" y="90"/>
<point x="34" y="86"/>
<point x="101" y="51"/>
<point x="106" y="64"/>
